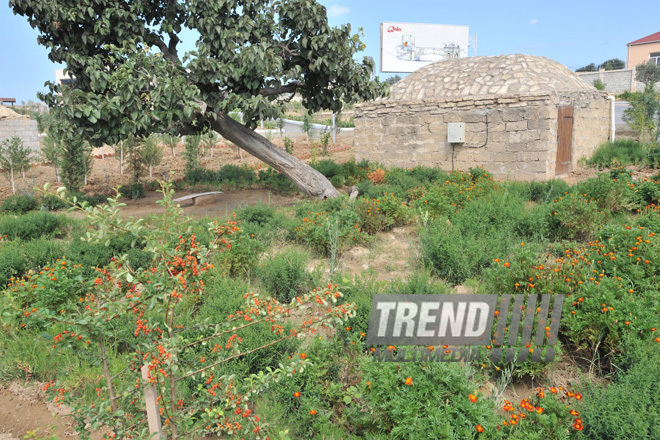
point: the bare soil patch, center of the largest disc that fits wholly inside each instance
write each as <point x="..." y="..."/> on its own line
<point x="106" y="175"/>
<point x="23" y="408"/>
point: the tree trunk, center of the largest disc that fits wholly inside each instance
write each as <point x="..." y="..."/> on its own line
<point x="151" y="167"/>
<point x="11" y="178"/>
<point x="306" y="178"/>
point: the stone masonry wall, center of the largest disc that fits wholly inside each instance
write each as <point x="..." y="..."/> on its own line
<point x="616" y="81"/>
<point x="25" y="128"/>
<point x="591" y="123"/>
<point x="512" y="136"/>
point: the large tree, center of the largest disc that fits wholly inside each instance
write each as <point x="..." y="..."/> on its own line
<point x="251" y="55"/>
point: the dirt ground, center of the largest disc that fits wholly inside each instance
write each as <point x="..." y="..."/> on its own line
<point x="106" y="175"/>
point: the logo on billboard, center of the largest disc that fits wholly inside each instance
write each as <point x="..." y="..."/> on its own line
<point x="523" y="322"/>
<point x="394" y="29"/>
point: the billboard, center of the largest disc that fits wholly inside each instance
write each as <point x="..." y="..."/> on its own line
<point x="405" y="47"/>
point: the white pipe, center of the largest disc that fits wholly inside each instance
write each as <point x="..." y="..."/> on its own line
<point x="612" y="119"/>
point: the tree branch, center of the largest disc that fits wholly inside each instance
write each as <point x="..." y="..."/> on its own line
<point x="165" y="50"/>
<point x="174" y="40"/>
<point x="288" y="88"/>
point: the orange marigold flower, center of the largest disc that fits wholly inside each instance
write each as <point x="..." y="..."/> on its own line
<point x="554" y="390"/>
<point x="313" y="412"/>
<point x="480" y="428"/>
<point x="409" y="381"/>
<point x="472" y="398"/>
<point x="296" y="394"/>
<point x="507" y="264"/>
<point x="303" y="356"/>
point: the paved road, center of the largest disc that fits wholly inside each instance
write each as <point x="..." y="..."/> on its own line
<point x="619" y="108"/>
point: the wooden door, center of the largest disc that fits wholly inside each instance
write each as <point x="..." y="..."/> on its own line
<point x="564" y="139"/>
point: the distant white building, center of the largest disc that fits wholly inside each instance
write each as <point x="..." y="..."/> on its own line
<point x="62" y="78"/>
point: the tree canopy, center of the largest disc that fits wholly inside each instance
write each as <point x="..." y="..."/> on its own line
<point x="613" y="64"/>
<point x="250" y="55"/>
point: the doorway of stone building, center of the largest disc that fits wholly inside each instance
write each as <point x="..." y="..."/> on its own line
<point x="564" y="139"/>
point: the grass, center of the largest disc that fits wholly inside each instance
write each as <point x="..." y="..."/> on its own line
<point x="623" y="152"/>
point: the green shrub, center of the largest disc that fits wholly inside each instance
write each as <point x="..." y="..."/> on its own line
<point x="33" y="225"/>
<point x="446" y="198"/>
<point x="599" y="85"/>
<point x="436" y="404"/>
<point x="261" y="214"/>
<point x="327" y="167"/>
<point x="223" y="297"/>
<point x="133" y="191"/>
<point x="241" y="254"/>
<point x="653" y="157"/>
<point x="93" y="199"/>
<point x="12" y="261"/>
<point x="274" y="180"/>
<point x="53" y="203"/>
<point x="284" y="275"/>
<point x="629" y="96"/>
<point x="55" y="287"/>
<point x="617" y="153"/>
<point x="19" y="204"/>
<point x="42" y="252"/>
<point x="574" y="217"/>
<point x="91" y="255"/>
<point x="547" y="191"/>
<point x="461" y="246"/>
<point x="288" y="144"/>
<point x="477" y="173"/>
<point x="233" y="175"/>
<point x="629" y="407"/>
<point x="330" y="232"/>
<point x="610" y="194"/>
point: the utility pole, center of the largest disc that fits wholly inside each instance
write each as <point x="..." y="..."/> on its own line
<point x="473" y="44"/>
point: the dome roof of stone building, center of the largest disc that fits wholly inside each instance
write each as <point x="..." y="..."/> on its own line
<point x="495" y="75"/>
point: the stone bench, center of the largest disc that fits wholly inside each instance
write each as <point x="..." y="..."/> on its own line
<point x="200" y="199"/>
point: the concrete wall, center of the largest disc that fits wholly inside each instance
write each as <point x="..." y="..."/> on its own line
<point x="512" y="136"/>
<point x="25" y="128"/>
<point x="616" y="81"/>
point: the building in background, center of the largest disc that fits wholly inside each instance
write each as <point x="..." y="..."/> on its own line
<point x="62" y="78"/>
<point x="644" y="50"/>
<point x="522" y="117"/>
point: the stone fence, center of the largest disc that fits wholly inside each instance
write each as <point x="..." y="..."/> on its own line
<point x="616" y="81"/>
<point x="24" y="128"/>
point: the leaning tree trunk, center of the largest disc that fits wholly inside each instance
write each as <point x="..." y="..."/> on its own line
<point x="306" y="178"/>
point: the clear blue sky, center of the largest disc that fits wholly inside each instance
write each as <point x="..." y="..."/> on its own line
<point x="575" y="33"/>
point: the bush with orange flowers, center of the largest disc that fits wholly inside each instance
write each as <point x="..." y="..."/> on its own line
<point x="183" y="358"/>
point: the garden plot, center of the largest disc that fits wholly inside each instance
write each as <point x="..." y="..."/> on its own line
<point x="415" y="231"/>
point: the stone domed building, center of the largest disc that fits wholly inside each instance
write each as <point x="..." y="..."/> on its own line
<point x="520" y="116"/>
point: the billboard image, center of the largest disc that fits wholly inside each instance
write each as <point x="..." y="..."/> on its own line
<point x="406" y="47"/>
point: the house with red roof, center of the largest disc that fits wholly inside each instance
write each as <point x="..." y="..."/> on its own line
<point x="644" y="50"/>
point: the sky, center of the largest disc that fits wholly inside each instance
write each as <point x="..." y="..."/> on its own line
<point x="574" y="33"/>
